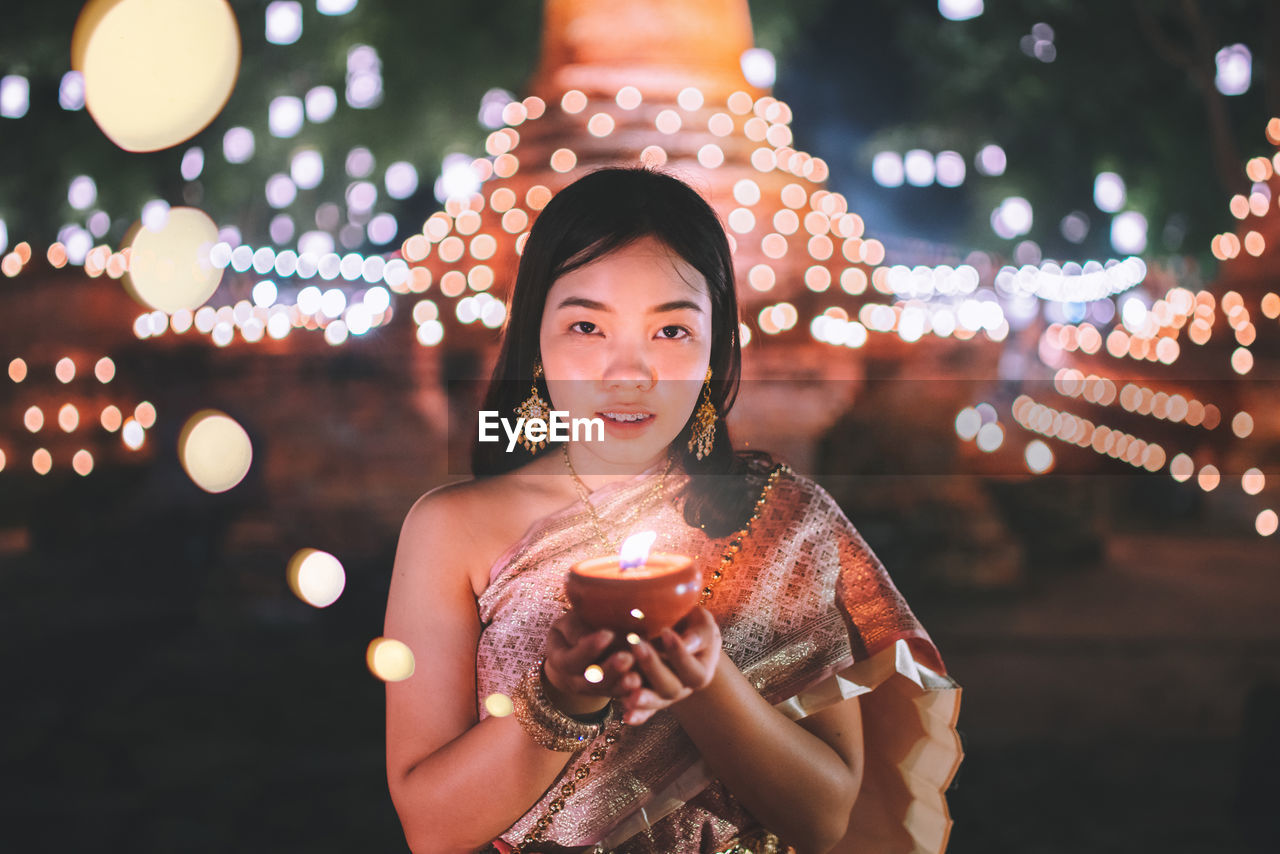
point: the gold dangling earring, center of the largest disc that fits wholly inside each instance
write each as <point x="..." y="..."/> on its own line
<point x="533" y="407"/>
<point x="703" y="434"/>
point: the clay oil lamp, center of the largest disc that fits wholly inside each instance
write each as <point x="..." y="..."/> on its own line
<point x="635" y="592"/>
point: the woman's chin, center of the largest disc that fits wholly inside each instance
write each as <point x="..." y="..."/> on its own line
<point x="618" y="453"/>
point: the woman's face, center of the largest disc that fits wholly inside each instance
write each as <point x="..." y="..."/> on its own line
<point x="627" y="339"/>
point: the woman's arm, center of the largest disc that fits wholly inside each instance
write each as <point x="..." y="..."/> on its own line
<point x="456" y="784"/>
<point x="799" y="779"/>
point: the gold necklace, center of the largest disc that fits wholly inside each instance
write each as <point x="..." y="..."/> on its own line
<point x="598" y="523"/>
<point x="539" y="830"/>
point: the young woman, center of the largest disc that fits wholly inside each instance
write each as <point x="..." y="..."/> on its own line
<point x="742" y="729"/>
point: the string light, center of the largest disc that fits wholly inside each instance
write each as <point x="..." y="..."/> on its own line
<point x="1066" y="427"/>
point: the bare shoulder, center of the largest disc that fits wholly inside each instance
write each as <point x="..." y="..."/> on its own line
<point x="442" y="524"/>
<point x="467" y="525"/>
<point x="434" y="517"/>
<point x="442" y="508"/>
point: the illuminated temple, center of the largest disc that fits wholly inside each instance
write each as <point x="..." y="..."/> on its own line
<point x="856" y="363"/>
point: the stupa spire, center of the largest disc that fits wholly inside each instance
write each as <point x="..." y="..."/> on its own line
<point x="661" y="46"/>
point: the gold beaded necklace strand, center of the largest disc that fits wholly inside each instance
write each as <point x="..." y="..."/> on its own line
<point x="538" y="832"/>
<point x="596" y="522"/>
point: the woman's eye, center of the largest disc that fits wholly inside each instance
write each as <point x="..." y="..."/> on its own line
<point x="674" y="332"/>
<point x="586" y="327"/>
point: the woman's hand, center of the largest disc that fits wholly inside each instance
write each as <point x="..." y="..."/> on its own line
<point x="572" y="647"/>
<point x="676" y="663"/>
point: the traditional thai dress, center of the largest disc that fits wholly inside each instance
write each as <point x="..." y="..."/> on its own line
<point x="806" y="612"/>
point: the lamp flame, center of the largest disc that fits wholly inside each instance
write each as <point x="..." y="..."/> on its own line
<point x="635" y="550"/>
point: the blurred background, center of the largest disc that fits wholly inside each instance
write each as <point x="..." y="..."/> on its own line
<point x="1009" y="286"/>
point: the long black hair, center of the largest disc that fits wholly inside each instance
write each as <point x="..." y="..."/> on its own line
<point x="600" y="213"/>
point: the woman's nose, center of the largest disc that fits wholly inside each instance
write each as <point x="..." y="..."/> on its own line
<point x="629" y="366"/>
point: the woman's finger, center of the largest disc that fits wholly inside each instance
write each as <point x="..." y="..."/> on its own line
<point x="569" y="629"/>
<point x="572" y="627"/>
<point x="611" y="685"/>
<point x="657" y="675"/>
<point x="637" y="716"/>
<point x="615" y="669"/>
<point x="639" y="705"/>
<point x="587" y="650"/>
<point x="698" y="630"/>
<point x="687" y="668"/>
<point x="567" y="666"/>
<point x="627" y="684"/>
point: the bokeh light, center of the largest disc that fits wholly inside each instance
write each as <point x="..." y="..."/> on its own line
<point x="1181" y="467"/>
<point x="335" y="7"/>
<point x="1234" y="69"/>
<point x="1013" y="218"/>
<point x="711" y="156"/>
<point x="887" y="169"/>
<point x="458" y="178"/>
<point x="359" y="164"/>
<point x="82" y="192"/>
<point x="1129" y="233"/>
<point x="169" y="267"/>
<point x="215" y="451"/>
<point x="990" y="437"/>
<point x="919" y="167"/>
<point x="281" y="191"/>
<point x="968" y="422"/>
<point x="42" y="461"/>
<point x="364" y="77"/>
<point x="949" y="169"/>
<point x="155" y="74"/>
<point x="759" y="67"/>
<point x="1039" y="456"/>
<point x="33" y="419"/>
<point x="401" y="180"/>
<point x="145" y="413"/>
<point x="104" y="369"/>
<point x="68" y="417"/>
<point x="321" y="102"/>
<point x="316" y="577"/>
<point x="15" y="96"/>
<point x="192" y="163"/>
<point x="238" y="145"/>
<point x="283" y="22"/>
<point x="82" y="462"/>
<point x="1075" y="227"/>
<point x="991" y="160"/>
<point x="959" y="10"/>
<point x="389" y="659"/>
<point x="1109" y="192"/>
<point x="1209" y="477"/>
<point x="111" y="418"/>
<point x="71" y="91"/>
<point x="498" y="705"/>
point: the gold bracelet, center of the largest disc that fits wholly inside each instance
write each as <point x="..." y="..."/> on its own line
<point x="546" y="723"/>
